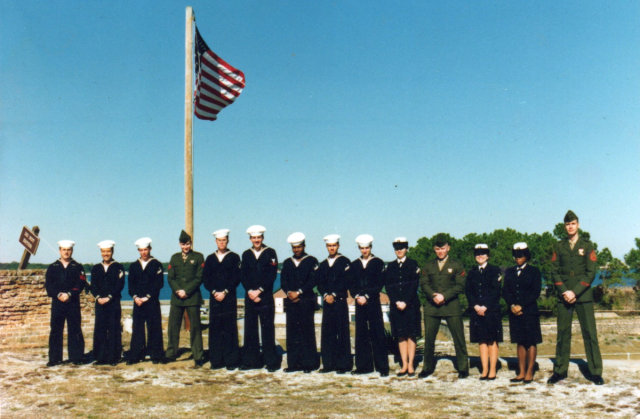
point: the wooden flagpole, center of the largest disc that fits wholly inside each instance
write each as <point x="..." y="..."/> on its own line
<point x="188" y="122"/>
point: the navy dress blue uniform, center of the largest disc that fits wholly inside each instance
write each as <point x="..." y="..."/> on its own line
<point x="69" y="280"/>
<point x="522" y="285"/>
<point x="259" y="273"/>
<point x="222" y="274"/>
<point x="146" y="282"/>
<point x="371" y="346"/>
<point x="335" y="345"/>
<point x="401" y="281"/>
<point x="299" y="275"/>
<point x="107" y="334"/>
<point x="483" y="288"/>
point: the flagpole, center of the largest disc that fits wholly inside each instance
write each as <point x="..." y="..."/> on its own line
<point x="188" y="122"/>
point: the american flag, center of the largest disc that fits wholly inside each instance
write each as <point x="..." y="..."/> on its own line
<point x="217" y="83"/>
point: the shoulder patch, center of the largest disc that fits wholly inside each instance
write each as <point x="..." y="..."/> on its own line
<point x="169" y="267"/>
<point x="554" y="257"/>
<point x="417" y="270"/>
<point x="121" y="274"/>
<point x="83" y="277"/>
<point x="463" y="273"/>
<point x="159" y="271"/>
<point x="346" y="268"/>
<point x="273" y="262"/>
<point x="592" y="256"/>
<point x="202" y="265"/>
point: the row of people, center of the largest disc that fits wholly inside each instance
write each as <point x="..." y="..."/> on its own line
<point x="441" y="280"/>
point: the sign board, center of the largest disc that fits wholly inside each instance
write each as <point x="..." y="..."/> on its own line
<point x="29" y="240"/>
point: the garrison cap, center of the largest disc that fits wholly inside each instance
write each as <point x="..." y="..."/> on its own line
<point x="570" y="216"/>
<point x="256" y="230"/>
<point x="332" y="238"/>
<point x="400" y="243"/>
<point x="441" y="239"/>
<point x="296" y="239"/>
<point x="106" y="244"/>
<point x="143" y="243"/>
<point x="66" y="244"/>
<point x="184" y="237"/>
<point x="364" y="240"/>
<point x="221" y="234"/>
<point x="481" y="249"/>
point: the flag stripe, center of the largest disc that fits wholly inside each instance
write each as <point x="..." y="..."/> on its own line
<point x="218" y="84"/>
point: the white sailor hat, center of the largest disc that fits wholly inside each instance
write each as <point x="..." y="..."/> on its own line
<point x="66" y="244"/>
<point x="256" y="230"/>
<point x="400" y="243"/>
<point x="295" y="239"/>
<point x="106" y="244"/>
<point x="481" y="246"/>
<point x="332" y="238"/>
<point x="520" y="246"/>
<point x="221" y="234"/>
<point x="364" y="240"/>
<point x="143" y="242"/>
<point x="400" y="240"/>
<point x="481" y="249"/>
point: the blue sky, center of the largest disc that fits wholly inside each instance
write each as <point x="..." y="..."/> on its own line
<point x="394" y="120"/>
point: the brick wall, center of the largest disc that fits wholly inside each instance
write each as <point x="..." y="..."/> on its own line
<point x="25" y="310"/>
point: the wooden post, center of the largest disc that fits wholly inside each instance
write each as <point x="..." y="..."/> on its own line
<point x="188" y="131"/>
<point x="24" y="262"/>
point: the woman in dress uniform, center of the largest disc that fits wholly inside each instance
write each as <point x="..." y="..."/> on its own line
<point x="401" y="282"/>
<point x="483" y="292"/>
<point x="522" y="284"/>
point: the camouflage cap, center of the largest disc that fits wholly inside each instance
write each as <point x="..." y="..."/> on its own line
<point x="570" y="216"/>
<point x="184" y="237"/>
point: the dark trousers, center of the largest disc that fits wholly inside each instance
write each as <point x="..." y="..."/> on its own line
<point x="371" y="347"/>
<point x="302" y="352"/>
<point x="147" y="314"/>
<point x="223" y="332"/>
<point x="335" y="339"/>
<point x="456" y="327"/>
<point x="251" y="357"/>
<point x="107" y="332"/>
<point x="176" y="314"/>
<point x="69" y="312"/>
<point x="589" y="335"/>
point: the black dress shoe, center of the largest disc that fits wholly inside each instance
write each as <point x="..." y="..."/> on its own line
<point x="401" y="374"/>
<point x="271" y="369"/>
<point x="424" y="374"/>
<point x="492" y="378"/>
<point x="325" y="370"/>
<point x="485" y="378"/>
<point x="342" y="371"/>
<point x="384" y="374"/>
<point x="411" y="374"/>
<point x="597" y="380"/>
<point x="516" y="380"/>
<point x="527" y="381"/>
<point x="245" y="368"/>
<point x="132" y="361"/>
<point x="307" y="371"/>
<point x="53" y="363"/>
<point x="463" y="374"/>
<point x="289" y="370"/>
<point x="555" y="377"/>
<point x="360" y="372"/>
<point x="231" y="368"/>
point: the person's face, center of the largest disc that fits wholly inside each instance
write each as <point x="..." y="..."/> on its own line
<point x="186" y="247"/>
<point x="222" y="243"/>
<point x="441" y="252"/>
<point x="572" y="227"/>
<point x="66" y="252"/>
<point x="400" y="253"/>
<point x="256" y="241"/>
<point x="480" y="259"/>
<point x="332" y="248"/>
<point x="365" y="251"/>
<point x="145" y="253"/>
<point x="297" y="250"/>
<point x="107" y="254"/>
<point x="520" y="260"/>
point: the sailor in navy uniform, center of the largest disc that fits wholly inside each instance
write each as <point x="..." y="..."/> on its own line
<point x="64" y="281"/>
<point x="146" y="278"/>
<point x="107" y="282"/>
<point x="401" y="279"/>
<point x="368" y="277"/>
<point x="258" y="273"/>
<point x="298" y="278"/>
<point x="333" y="279"/>
<point x="221" y="277"/>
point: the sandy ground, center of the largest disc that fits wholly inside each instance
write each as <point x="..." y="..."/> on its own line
<point x="29" y="389"/>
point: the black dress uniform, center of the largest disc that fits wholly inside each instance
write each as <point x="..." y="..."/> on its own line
<point x="259" y="273"/>
<point x="401" y="279"/>
<point x="146" y="282"/>
<point x="483" y="288"/>
<point x="299" y="275"/>
<point x="333" y="279"/>
<point x="70" y="280"/>
<point x="522" y="286"/>
<point x="371" y="342"/>
<point x="107" y="334"/>
<point x="222" y="274"/>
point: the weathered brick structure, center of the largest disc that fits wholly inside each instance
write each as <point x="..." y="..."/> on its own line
<point x="25" y="311"/>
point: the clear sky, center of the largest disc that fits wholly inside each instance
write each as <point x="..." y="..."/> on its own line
<point x="393" y="119"/>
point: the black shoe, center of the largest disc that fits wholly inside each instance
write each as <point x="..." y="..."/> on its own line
<point x="492" y="378"/>
<point x="342" y="371"/>
<point x="200" y="363"/>
<point x="132" y="361"/>
<point x="516" y="380"/>
<point x="424" y="374"/>
<point x="360" y="372"/>
<point x="527" y="381"/>
<point x="485" y="378"/>
<point x="231" y="368"/>
<point x="114" y="363"/>
<point x="384" y="374"/>
<point x="401" y="374"/>
<point x="411" y="374"/>
<point x="289" y="370"/>
<point x="307" y="371"/>
<point x="53" y="363"/>
<point x="597" y="380"/>
<point x="463" y="374"/>
<point x="272" y="369"/>
<point x="555" y="377"/>
<point x="325" y="370"/>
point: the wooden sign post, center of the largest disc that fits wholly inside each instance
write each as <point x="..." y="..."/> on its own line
<point x="30" y="240"/>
